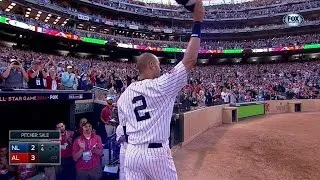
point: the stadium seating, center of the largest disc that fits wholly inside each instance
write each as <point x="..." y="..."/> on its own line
<point x="244" y="82"/>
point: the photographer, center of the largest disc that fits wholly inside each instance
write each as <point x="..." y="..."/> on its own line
<point x="14" y="75"/>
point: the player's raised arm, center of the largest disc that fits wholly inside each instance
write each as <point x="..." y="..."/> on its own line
<point x="171" y="83"/>
<point x="190" y="56"/>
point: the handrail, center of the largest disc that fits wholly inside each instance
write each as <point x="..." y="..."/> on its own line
<point x="100" y="94"/>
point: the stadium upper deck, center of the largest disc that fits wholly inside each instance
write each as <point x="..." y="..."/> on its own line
<point x="130" y="32"/>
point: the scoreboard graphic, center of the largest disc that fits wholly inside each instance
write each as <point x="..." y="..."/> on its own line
<point x="34" y="147"/>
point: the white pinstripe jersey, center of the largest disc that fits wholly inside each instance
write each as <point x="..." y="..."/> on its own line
<point x="146" y="107"/>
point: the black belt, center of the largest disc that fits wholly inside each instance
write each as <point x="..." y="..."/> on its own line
<point x="155" y="145"/>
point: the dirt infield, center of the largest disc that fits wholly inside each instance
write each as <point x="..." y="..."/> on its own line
<point x="279" y="147"/>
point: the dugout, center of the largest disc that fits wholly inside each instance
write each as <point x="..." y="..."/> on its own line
<point x="37" y="109"/>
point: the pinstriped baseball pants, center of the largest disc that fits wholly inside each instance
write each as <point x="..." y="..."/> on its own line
<point x="143" y="163"/>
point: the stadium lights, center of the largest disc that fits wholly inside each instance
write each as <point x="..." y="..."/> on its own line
<point x="58" y="17"/>
<point x="27" y="15"/>
<point x="27" y="12"/>
<point x="67" y="19"/>
<point x="39" y="12"/>
<point x="29" y="9"/>
<point x="13" y="4"/>
<point x="55" y="22"/>
<point x="49" y="15"/>
<point x="7" y="10"/>
<point x="93" y="27"/>
<point x="46" y="20"/>
<point x="37" y="18"/>
<point x="38" y="15"/>
<point x="80" y="24"/>
<point x="10" y="7"/>
<point x="62" y="25"/>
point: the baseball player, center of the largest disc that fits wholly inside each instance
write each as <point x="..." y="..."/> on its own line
<point x="145" y="109"/>
<point x="123" y="146"/>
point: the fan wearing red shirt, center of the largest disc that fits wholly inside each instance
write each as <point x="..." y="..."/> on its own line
<point x="87" y="152"/>
<point x="53" y="82"/>
<point x="106" y="116"/>
<point x="66" y="170"/>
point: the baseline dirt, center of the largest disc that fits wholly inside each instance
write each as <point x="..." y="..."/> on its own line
<point x="274" y="147"/>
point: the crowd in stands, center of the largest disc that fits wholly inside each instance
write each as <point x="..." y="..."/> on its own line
<point x="228" y="7"/>
<point x="207" y="84"/>
<point x="217" y="12"/>
<point x="208" y="29"/>
<point x="283" y="41"/>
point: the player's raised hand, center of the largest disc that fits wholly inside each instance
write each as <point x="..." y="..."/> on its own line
<point x="199" y="11"/>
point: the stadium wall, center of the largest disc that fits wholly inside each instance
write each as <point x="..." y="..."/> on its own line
<point x="197" y="122"/>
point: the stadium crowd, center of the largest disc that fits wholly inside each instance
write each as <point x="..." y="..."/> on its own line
<point x="206" y="44"/>
<point x="237" y="6"/>
<point x="216" y="12"/>
<point x="208" y="85"/>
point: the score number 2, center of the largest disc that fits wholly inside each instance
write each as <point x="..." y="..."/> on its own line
<point x="146" y="115"/>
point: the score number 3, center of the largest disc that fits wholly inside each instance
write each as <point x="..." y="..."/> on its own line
<point x="146" y="115"/>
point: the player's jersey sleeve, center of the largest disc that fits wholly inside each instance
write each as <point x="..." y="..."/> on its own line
<point x="119" y="132"/>
<point x="121" y="116"/>
<point x="172" y="82"/>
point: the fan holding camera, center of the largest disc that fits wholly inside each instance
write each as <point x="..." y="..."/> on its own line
<point x="14" y="75"/>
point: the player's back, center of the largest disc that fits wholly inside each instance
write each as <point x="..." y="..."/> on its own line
<point x="145" y="107"/>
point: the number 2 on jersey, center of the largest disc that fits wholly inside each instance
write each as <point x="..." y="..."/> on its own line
<point x="141" y="107"/>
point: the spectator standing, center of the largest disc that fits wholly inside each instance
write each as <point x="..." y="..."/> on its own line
<point x="208" y="98"/>
<point x="36" y="75"/>
<point x="112" y="94"/>
<point x="66" y="170"/>
<point x="118" y="83"/>
<point x="106" y="116"/>
<point x="68" y="80"/>
<point x="225" y="95"/>
<point x="101" y="80"/>
<point x="87" y="152"/>
<point x="232" y="97"/>
<point x="85" y="82"/>
<point x="14" y="75"/>
<point x="78" y="132"/>
<point x="52" y="80"/>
